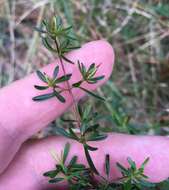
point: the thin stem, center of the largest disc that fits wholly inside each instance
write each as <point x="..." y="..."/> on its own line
<point x="76" y="113"/>
<point x="77" y="117"/>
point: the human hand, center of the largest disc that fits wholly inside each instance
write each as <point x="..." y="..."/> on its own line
<point x="23" y="163"/>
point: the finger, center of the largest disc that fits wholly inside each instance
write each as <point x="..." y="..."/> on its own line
<point x="20" y="117"/>
<point x="26" y="171"/>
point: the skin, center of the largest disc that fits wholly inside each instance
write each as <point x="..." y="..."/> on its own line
<point x="23" y="162"/>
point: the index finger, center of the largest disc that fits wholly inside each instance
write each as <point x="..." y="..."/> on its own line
<point x="20" y="117"/>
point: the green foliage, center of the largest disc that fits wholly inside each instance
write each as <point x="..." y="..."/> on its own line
<point x="89" y="130"/>
<point x="107" y="165"/>
<point x="162" y="9"/>
<point x="58" y="39"/>
<point x="134" y="177"/>
<point x="89" y="159"/>
<point x="77" y="175"/>
<point x="88" y="76"/>
<point x="52" y="83"/>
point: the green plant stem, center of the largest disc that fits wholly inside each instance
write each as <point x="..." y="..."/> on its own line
<point x="77" y="117"/>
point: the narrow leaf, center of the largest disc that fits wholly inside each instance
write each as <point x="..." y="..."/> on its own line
<point x="72" y="161"/>
<point x="82" y="68"/>
<point x="146" y="184"/>
<point x="77" y="84"/>
<point x="43" y="97"/>
<point x="41" y="76"/>
<point x="107" y="164"/>
<point x="56" y="180"/>
<point x="67" y="60"/>
<point x="89" y="160"/>
<point x="95" y="80"/>
<point x="59" y="97"/>
<point x="71" y="37"/>
<point x="98" y="78"/>
<point x="66" y="152"/>
<point x="47" y="44"/>
<point x="62" y="132"/>
<point x="58" y="21"/>
<point x="73" y="47"/>
<point x="67" y="29"/>
<point x="64" y="78"/>
<point x="121" y="168"/>
<point x="91" y="68"/>
<point x="91" y="148"/>
<point x="92" y="94"/>
<point x="41" y="87"/>
<point x="72" y="134"/>
<point x="55" y="73"/>
<point x="145" y="162"/>
<point x="132" y="163"/>
<point x="80" y="110"/>
<point x="97" y="137"/>
<point x="51" y="173"/>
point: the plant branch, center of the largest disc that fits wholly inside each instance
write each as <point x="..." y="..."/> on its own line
<point x="77" y="117"/>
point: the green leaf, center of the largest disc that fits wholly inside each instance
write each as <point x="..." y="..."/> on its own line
<point x="58" y="21"/>
<point x="67" y="29"/>
<point x="127" y="185"/>
<point x="80" y="110"/>
<point x="47" y="44"/>
<point x="41" y="87"/>
<point x="71" y="37"/>
<point x="144" y="163"/>
<point x="162" y="9"/>
<point x="132" y="164"/>
<point x="89" y="128"/>
<point x="77" y="84"/>
<point x="64" y="78"/>
<point x="55" y="73"/>
<point x="44" y="23"/>
<point x="91" y="148"/>
<point x="87" y="111"/>
<point x="89" y="160"/>
<point x="84" y="127"/>
<point x="56" y="180"/>
<point x="96" y="137"/>
<point x="73" y="47"/>
<point x="146" y="183"/>
<point x="64" y="45"/>
<point x="72" y="161"/>
<point x="41" y="76"/>
<point x="59" y="97"/>
<point x="62" y="132"/>
<point x="66" y="152"/>
<point x="107" y="164"/>
<point x="91" y="68"/>
<point x="121" y="168"/>
<point x="67" y="60"/>
<point x="43" y="97"/>
<point x="51" y="173"/>
<point x="78" y="166"/>
<point x="96" y="79"/>
<point x="92" y="94"/>
<point x="72" y="134"/>
<point x="68" y="120"/>
<point x="82" y="69"/>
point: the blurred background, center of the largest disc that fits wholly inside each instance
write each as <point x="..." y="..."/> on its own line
<point x="138" y="90"/>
